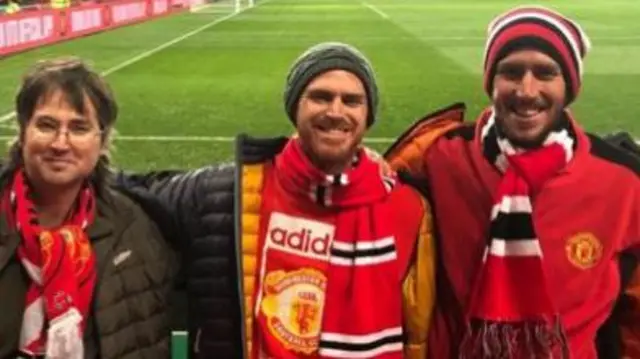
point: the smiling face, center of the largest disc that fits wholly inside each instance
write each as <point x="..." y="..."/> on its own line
<point x="61" y="147"/>
<point x="332" y="119"/>
<point x="529" y="94"/>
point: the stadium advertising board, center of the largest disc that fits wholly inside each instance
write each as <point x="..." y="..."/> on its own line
<point x="20" y="32"/>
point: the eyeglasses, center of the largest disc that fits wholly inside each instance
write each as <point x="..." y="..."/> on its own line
<point x="76" y="133"/>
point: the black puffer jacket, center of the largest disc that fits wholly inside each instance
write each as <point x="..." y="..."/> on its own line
<point x="197" y="208"/>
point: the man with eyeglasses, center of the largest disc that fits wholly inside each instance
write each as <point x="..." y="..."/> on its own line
<point x="84" y="272"/>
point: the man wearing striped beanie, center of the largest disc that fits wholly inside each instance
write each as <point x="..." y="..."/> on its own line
<point x="529" y="255"/>
<point x="541" y="52"/>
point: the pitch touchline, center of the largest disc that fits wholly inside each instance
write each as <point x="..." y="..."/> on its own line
<point x="376" y="10"/>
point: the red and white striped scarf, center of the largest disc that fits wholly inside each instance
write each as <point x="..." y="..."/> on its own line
<point x="511" y="313"/>
<point x="328" y="284"/>
<point x="61" y="265"/>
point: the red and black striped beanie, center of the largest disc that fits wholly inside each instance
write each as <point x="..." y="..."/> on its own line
<point x="542" y="29"/>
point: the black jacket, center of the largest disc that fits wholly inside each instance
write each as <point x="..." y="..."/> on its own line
<point x="198" y="209"/>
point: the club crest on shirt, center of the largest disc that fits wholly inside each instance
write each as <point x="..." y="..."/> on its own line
<point x="293" y="303"/>
<point x="584" y="250"/>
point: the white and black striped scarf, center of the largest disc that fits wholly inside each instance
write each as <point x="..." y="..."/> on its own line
<point x="511" y="312"/>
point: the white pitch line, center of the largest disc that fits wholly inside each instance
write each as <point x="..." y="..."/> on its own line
<point x="376" y="10"/>
<point x="178" y="39"/>
<point x="7" y="117"/>
<point x="144" y="55"/>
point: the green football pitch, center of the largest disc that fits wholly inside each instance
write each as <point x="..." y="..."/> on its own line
<point x="188" y="83"/>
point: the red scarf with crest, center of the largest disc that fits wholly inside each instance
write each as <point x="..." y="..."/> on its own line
<point x="61" y="266"/>
<point x="328" y="282"/>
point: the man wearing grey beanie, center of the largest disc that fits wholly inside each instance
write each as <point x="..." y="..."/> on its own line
<point x="309" y="247"/>
<point x="343" y="70"/>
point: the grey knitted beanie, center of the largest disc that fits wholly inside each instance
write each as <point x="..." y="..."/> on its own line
<point x="326" y="57"/>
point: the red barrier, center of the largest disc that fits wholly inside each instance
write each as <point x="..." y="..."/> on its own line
<point x="24" y="31"/>
<point x="20" y="32"/>
<point x="127" y="12"/>
<point x="83" y="20"/>
<point x="160" y="7"/>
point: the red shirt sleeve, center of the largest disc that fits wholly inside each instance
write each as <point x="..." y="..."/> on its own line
<point x="632" y="239"/>
<point x="630" y="321"/>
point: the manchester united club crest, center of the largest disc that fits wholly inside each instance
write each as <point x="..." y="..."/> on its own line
<point x="293" y="303"/>
<point x="584" y="250"/>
